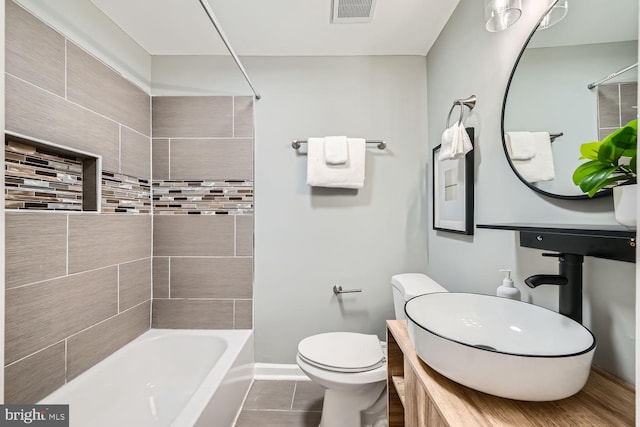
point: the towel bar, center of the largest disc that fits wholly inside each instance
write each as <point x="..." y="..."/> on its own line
<point x="553" y="136"/>
<point x="381" y="144"/>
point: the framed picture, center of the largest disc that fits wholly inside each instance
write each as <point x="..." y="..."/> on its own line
<point x="453" y="192"/>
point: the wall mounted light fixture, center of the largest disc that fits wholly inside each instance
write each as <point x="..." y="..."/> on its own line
<point x="500" y="14"/>
<point x="555" y="15"/>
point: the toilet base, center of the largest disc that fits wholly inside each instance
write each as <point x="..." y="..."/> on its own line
<point x="344" y="408"/>
<point x="376" y="415"/>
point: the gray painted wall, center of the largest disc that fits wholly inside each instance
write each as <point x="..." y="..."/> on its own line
<point x="467" y="59"/>
<point x="307" y="239"/>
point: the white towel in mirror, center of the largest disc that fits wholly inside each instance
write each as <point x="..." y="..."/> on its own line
<point x="520" y="145"/>
<point x="540" y="167"/>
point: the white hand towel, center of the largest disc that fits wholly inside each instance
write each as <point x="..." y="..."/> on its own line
<point x="540" y="167"/>
<point x="335" y="150"/>
<point x="348" y="175"/>
<point x="446" y="145"/>
<point x="455" y="143"/>
<point x="461" y="142"/>
<point x="520" y="145"/>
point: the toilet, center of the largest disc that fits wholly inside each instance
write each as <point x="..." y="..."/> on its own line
<point x="352" y="367"/>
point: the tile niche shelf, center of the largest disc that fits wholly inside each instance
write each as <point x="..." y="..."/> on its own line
<point x="42" y="176"/>
<point x="601" y="241"/>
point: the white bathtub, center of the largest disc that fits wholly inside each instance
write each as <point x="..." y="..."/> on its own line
<point x="165" y="377"/>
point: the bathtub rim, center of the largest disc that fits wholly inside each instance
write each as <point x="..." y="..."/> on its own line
<point x="236" y="341"/>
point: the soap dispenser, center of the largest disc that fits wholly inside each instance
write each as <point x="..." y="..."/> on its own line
<point x="507" y="290"/>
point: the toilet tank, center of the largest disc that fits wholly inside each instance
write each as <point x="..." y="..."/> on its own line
<point x="408" y="285"/>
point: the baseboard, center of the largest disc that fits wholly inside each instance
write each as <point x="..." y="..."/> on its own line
<point x="278" y="372"/>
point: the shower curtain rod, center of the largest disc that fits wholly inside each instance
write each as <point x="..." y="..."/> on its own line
<point x="610" y="76"/>
<point x="213" y="20"/>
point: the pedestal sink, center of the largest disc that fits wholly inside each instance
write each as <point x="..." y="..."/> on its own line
<point x="500" y="346"/>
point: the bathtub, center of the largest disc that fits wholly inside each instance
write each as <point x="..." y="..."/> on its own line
<point x="165" y="377"/>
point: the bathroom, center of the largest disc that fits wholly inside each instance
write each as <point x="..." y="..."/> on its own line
<point x="306" y="240"/>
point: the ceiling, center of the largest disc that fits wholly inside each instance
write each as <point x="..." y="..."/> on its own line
<point x="278" y="27"/>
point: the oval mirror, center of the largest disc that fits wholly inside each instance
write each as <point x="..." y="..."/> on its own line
<point x="575" y="80"/>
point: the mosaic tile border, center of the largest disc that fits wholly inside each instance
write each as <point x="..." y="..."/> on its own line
<point x="37" y="179"/>
<point x="40" y="180"/>
<point x="125" y="194"/>
<point x="225" y="197"/>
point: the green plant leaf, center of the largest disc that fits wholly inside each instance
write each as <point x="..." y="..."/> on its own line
<point x="609" y="153"/>
<point x="610" y="161"/>
<point x="593" y="183"/>
<point x="588" y="169"/>
<point x="626" y="137"/>
<point x="603" y="184"/>
<point x="589" y="150"/>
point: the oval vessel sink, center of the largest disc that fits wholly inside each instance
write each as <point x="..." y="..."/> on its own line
<point x="500" y="346"/>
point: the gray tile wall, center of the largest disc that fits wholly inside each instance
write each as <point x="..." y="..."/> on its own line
<point x="211" y="159"/>
<point x="78" y="284"/>
<point x="203" y="260"/>
<point x="36" y="52"/>
<point x="617" y="106"/>
<point x="94" y="85"/>
<point x="197" y="235"/>
<point x="193" y="117"/>
<point x="96" y="110"/>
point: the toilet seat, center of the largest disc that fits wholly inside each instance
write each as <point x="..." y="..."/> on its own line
<point x="346" y="352"/>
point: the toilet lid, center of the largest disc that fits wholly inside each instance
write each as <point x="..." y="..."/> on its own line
<point x="342" y="351"/>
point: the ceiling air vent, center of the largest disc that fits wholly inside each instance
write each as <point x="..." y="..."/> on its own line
<point x="352" y="11"/>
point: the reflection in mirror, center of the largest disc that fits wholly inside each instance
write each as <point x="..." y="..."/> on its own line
<point x="548" y="92"/>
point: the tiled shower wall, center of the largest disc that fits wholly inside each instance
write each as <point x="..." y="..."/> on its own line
<point x="78" y="285"/>
<point x="617" y="106"/>
<point x="203" y="212"/>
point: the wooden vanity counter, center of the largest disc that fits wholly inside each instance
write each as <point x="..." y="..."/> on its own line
<point x="418" y="396"/>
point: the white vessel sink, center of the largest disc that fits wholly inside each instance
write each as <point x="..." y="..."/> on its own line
<point x="500" y="346"/>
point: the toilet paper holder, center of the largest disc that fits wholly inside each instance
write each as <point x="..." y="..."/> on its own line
<point x="337" y="289"/>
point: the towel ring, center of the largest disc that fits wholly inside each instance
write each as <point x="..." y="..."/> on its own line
<point x="469" y="102"/>
<point x="451" y="111"/>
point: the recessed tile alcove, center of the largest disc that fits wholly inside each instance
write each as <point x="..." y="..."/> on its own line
<point x="39" y="176"/>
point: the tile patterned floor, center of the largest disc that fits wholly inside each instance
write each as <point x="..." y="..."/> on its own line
<point x="282" y="404"/>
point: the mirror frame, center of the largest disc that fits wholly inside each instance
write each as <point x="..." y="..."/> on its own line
<point x="601" y="193"/>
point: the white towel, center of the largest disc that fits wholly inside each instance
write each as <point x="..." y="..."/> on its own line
<point x="520" y="145"/>
<point x="455" y="143"/>
<point x="335" y="150"/>
<point x="348" y="175"/>
<point x="540" y="167"/>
